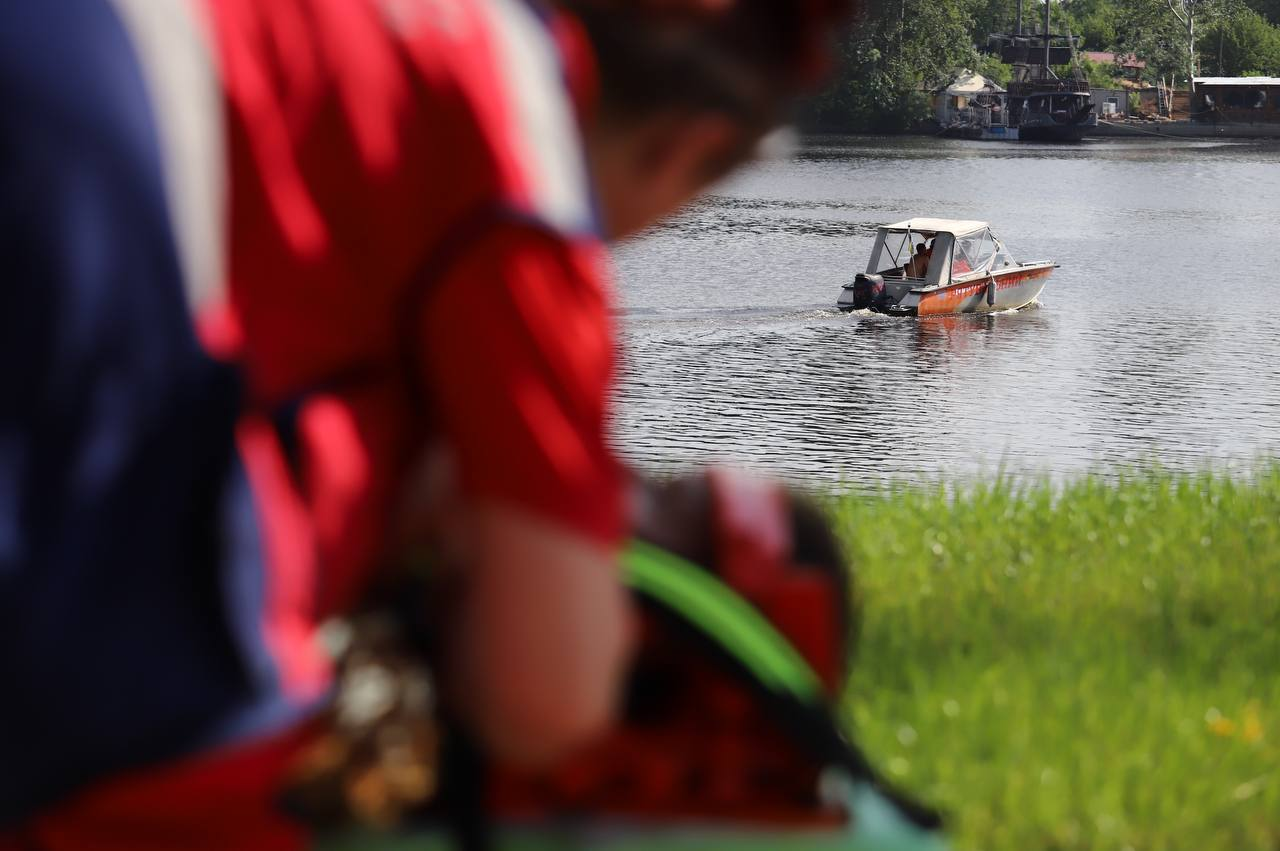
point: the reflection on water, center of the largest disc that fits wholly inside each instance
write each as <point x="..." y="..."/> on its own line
<point x="1158" y="339"/>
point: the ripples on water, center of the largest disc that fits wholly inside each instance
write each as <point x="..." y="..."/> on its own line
<point x="1157" y="340"/>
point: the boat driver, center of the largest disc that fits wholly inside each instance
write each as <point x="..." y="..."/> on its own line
<point x="919" y="264"/>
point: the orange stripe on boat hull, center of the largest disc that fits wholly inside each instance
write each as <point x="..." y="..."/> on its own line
<point x="971" y="297"/>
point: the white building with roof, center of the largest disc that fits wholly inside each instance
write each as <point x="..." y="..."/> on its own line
<point x="970" y="100"/>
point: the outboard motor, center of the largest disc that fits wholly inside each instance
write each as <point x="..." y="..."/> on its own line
<point x="866" y="291"/>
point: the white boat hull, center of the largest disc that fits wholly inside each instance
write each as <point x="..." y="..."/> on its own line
<point x="1008" y="289"/>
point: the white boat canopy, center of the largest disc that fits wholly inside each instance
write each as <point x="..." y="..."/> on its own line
<point x="936" y="252"/>
<point x="955" y="227"/>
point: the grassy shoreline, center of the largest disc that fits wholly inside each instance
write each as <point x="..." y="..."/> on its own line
<point x="1093" y="664"/>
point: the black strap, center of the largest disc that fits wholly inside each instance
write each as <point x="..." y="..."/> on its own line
<point x="464" y="774"/>
<point x="447" y="253"/>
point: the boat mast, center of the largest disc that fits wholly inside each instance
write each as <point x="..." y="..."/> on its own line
<point x="1046" y="39"/>
<point x="1020" y="19"/>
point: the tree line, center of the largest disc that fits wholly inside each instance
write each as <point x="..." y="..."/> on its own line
<point x="902" y="49"/>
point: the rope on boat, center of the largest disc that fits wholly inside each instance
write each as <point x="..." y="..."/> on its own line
<point x="1139" y="130"/>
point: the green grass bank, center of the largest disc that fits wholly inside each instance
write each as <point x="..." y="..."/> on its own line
<point x="1088" y="665"/>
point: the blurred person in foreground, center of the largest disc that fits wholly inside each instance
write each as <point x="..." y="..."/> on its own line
<point x="267" y="263"/>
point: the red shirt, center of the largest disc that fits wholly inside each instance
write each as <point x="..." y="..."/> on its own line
<point x="412" y="236"/>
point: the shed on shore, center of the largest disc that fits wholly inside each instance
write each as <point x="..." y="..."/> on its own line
<point x="1110" y="103"/>
<point x="1236" y="100"/>
<point x="970" y="99"/>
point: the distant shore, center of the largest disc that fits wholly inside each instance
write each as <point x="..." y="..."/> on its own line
<point x="1126" y="129"/>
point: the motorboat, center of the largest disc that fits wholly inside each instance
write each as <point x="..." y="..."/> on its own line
<point x="929" y="267"/>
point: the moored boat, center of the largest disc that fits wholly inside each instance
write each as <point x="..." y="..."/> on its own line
<point x="1039" y="105"/>
<point x="924" y="267"/>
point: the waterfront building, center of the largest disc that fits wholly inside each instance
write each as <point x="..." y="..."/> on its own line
<point x="1236" y="100"/>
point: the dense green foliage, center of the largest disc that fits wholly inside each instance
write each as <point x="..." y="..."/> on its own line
<point x="1242" y="44"/>
<point x="903" y="49"/>
<point x="890" y="61"/>
<point x="1089" y="666"/>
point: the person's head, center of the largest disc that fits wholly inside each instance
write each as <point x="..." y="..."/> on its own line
<point x="688" y="88"/>
<point x="920" y="247"/>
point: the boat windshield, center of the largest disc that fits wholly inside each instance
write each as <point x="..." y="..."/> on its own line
<point x="895" y="259"/>
<point x="979" y="252"/>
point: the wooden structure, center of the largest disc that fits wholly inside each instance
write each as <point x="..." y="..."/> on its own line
<point x="970" y="105"/>
<point x="1236" y="100"/>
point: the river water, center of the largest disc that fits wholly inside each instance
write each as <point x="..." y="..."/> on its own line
<point x="1157" y="341"/>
